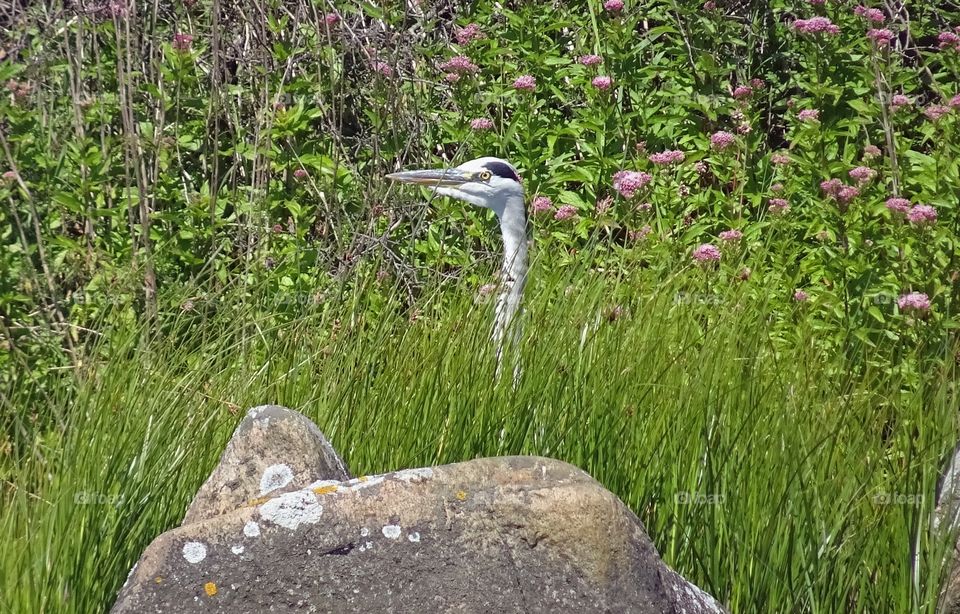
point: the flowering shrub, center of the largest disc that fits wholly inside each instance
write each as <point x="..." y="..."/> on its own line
<point x="803" y="140"/>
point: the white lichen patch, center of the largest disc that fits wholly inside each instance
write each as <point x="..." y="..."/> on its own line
<point x="274" y="477"/>
<point x="391" y="531"/>
<point x="254" y="414"/>
<point x="292" y="509"/>
<point x="364" y="531"/>
<point x="237" y="549"/>
<point x="130" y="574"/>
<point x="414" y="537"/>
<point x="251" y="529"/>
<point x="363" y="482"/>
<point x="414" y="475"/>
<point x="194" y="552"/>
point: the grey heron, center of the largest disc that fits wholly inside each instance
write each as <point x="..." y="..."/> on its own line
<point x="493" y="184"/>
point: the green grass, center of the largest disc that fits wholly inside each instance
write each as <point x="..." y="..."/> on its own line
<point x="784" y="449"/>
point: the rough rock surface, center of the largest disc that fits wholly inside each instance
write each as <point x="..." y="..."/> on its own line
<point x="511" y="534"/>
<point x="946" y="520"/>
<point x="273" y="450"/>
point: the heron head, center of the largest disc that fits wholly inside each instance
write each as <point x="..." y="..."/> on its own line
<point x="486" y="182"/>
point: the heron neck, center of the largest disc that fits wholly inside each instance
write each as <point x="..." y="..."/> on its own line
<point x="513" y="277"/>
<point x="513" y="225"/>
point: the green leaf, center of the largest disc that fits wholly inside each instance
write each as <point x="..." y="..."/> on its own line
<point x="69" y="201"/>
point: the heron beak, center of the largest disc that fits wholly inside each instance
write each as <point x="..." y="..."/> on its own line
<point x="434" y="178"/>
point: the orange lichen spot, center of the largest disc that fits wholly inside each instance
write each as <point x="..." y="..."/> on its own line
<point x="210" y="589"/>
<point x="257" y="501"/>
<point x="325" y="490"/>
<point x="461" y="496"/>
<point x="158" y="580"/>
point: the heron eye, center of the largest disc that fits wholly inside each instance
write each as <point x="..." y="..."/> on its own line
<point x="485" y="175"/>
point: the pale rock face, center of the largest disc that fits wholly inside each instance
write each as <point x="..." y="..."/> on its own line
<point x="512" y="534"/>
<point x="272" y="450"/>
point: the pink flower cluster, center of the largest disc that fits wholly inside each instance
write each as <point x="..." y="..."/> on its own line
<point x="469" y="33"/>
<point x="542" y="204"/>
<point x="816" y="25"/>
<point x="870" y="14"/>
<point x="118" y="8"/>
<point x="742" y="91"/>
<point x="565" y="212"/>
<point x="706" y="253"/>
<point x="639" y="235"/>
<point x="481" y="123"/>
<point x="721" y="140"/>
<point x="780" y="159"/>
<point x="590" y="60"/>
<point x="899" y="100"/>
<point x="460" y="65"/>
<point x="182" y="42"/>
<point x="19" y="89"/>
<point x="670" y="156"/>
<point x="831" y="186"/>
<point x="300" y="174"/>
<point x="881" y="37"/>
<point x="846" y="194"/>
<point x="602" y="82"/>
<point x="835" y="189"/>
<point x="922" y="215"/>
<point x="863" y="174"/>
<point x="525" y="83"/>
<point x="778" y="206"/>
<point x="935" y="112"/>
<point x="383" y="68"/>
<point x="917" y="302"/>
<point x="627" y="183"/>
<point x="613" y="6"/>
<point x="871" y="151"/>
<point x="331" y="19"/>
<point x="809" y="115"/>
<point x="950" y="40"/>
<point x="731" y="235"/>
<point x="899" y="206"/>
<point x="955" y="102"/>
<point x="800" y="296"/>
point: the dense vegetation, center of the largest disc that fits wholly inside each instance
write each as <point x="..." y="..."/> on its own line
<point x="742" y="309"/>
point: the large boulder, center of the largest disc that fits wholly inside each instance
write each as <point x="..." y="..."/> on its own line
<point x="946" y="522"/>
<point x="511" y="534"/>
